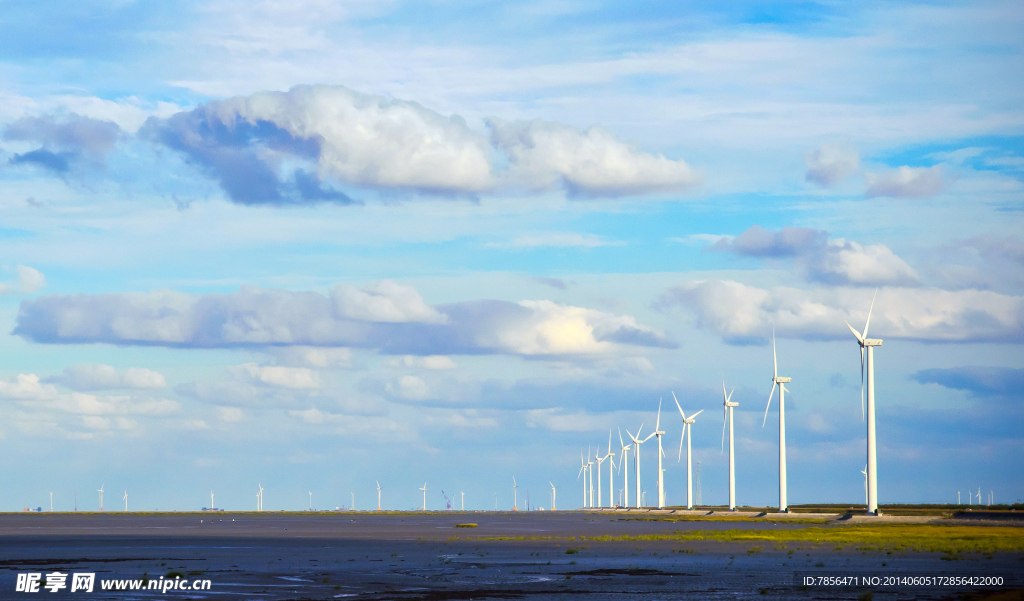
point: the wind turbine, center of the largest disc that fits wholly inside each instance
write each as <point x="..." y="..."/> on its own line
<point x="553" y="493"/>
<point x="781" y="383"/>
<point x="463" y="501"/>
<point x="590" y="470"/>
<point x="259" y="499"/>
<point x="661" y="453"/>
<point x="125" y="501"/>
<point x="869" y="344"/>
<point x="687" y="422"/>
<point x="51" y="501"/>
<point x="625" y="475"/>
<point x="310" y="499"/>
<point x="515" y="495"/>
<point x="599" y="459"/>
<point x="636" y="460"/>
<point x="378" y="494"/>
<point x="211" y="500"/>
<point x="611" y="473"/>
<point x="424" y="489"/>
<point x="727" y="417"/>
<point x="865" y="472"/>
<point x="979" y="495"/>
<point x="101" y="496"/>
<point x="583" y="472"/>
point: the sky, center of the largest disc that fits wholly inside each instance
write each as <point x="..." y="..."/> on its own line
<point x="319" y="245"/>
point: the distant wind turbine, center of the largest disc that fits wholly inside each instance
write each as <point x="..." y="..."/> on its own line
<point x="310" y="500"/>
<point x="727" y="417"/>
<point x="424" y="489"/>
<point x="781" y="383"/>
<point x="211" y="500"/>
<point x="515" y="495"/>
<point x="51" y="500"/>
<point x="378" y="494"/>
<point x="611" y="472"/>
<point x="553" y="493"/>
<point x="625" y="474"/>
<point x="463" y="501"/>
<point x="868" y="366"/>
<point x="125" y="501"/>
<point x="687" y="422"/>
<point x="590" y="471"/>
<point x="101" y="496"/>
<point x="600" y="459"/>
<point x="583" y="472"/>
<point x="865" y="472"/>
<point x="661" y="453"/>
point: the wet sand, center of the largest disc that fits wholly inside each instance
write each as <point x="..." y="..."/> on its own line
<point x="424" y="556"/>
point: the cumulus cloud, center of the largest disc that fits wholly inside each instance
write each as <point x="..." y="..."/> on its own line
<point x="435" y="362"/>
<point x="384" y="301"/>
<point x="545" y="155"/>
<point x="408" y="388"/>
<point x="63" y="141"/>
<point x="386" y="317"/>
<point x="29" y="280"/>
<point x="317" y="358"/>
<point x="273" y="375"/>
<point x="830" y="164"/>
<point x="985" y="261"/>
<point x="836" y="261"/>
<point x="743" y="314"/>
<point x="101" y="377"/>
<point x="355" y="138"/>
<point x="906" y="182"/>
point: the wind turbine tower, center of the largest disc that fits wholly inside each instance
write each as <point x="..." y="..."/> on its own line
<point x="868" y="345"/>
<point x="781" y="383"/>
<point x="661" y="453"/>
<point x="51" y="501"/>
<point x="378" y="494"/>
<point x="727" y="417"/>
<point x="101" y="496"/>
<point x="424" y="489"/>
<point x="125" y="501"/>
<point x="599" y="460"/>
<point x="687" y="422"/>
<point x="553" y="493"/>
<point x="590" y="470"/>
<point x="611" y="473"/>
<point x="583" y="472"/>
<point x="515" y="495"/>
<point x="625" y="474"/>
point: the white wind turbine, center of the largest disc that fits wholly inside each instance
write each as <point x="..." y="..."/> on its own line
<point x="661" y="453"/>
<point x="865" y="472"/>
<point x="101" y="496"/>
<point x="781" y="383"/>
<point x="554" y="491"/>
<point x="211" y="500"/>
<point x="599" y="459"/>
<point x="636" y="460"/>
<point x="869" y="344"/>
<point x="687" y="422"/>
<point x="424" y="489"/>
<point x="979" y="495"/>
<point x="515" y="495"/>
<point x="611" y="473"/>
<point x="463" y="501"/>
<point x="125" y="501"/>
<point x="625" y="474"/>
<point x="378" y="494"/>
<point x="310" y="499"/>
<point x="583" y="472"/>
<point x="259" y="498"/>
<point x="727" y="417"/>
<point x="590" y="471"/>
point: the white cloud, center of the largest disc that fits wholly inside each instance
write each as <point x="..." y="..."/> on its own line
<point x="557" y="239"/>
<point x="836" y="261"/>
<point x="744" y="314"/>
<point x="100" y="377"/>
<point x="436" y="362"/>
<point x="906" y="182"/>
<point x="830" y="164"/>
<point x="29" y="280"/>
<point x="390" y="318"/>
<point x="272" y="375"/>
<point x="409" y="388"/>
<point x="384" y="301"/>
<point x="545" y="155"/>
<point x="305" y="356"/>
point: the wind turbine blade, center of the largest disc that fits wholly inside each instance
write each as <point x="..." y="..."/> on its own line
<point x="620" y="437"/>
<point x="729" y="398"/>
<point x="609" y="441"/>
<point x="725" y="417"/>
<point x="696" y="414"/>
<point x="765" y="421"/>
<point x="723" y="389"/>
<point x="775" y="358"/>
<point x="681" y="438"/>
<point x="871" y="308"/>
<point x="862" y="415"/>
<point x="513" y="481"/>
<point x="657" y="424"/>
<point x="860" y="338"/>
<point x="677" y="406"/>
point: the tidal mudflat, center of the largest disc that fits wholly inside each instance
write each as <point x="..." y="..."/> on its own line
<point x="525" y="555"/>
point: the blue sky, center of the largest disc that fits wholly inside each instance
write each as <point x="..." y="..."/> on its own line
<point x="313" y="245"/>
